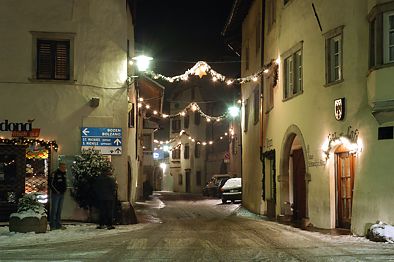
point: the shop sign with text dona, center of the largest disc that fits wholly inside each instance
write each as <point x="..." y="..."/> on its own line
<point x="107" y="140"/>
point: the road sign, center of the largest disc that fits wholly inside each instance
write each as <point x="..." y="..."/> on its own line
<point x="107" y="140"/>
<point x="226" y="157"/>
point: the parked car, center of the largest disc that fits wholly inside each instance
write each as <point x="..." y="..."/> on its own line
<point x="232" y="190"/>
<point x="221" y="184"/>
<point x="211" y="188"/>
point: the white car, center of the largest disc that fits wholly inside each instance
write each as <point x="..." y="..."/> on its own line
<point x="232" y="190"/>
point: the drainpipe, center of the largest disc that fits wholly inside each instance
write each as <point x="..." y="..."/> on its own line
<point x="262" y="101"/>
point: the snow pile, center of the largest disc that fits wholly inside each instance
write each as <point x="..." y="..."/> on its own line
<point x="381" y="232"/>
<point x="72" y="233"/>
<point x="243" y="212"/>
<point x="28" y="206"/>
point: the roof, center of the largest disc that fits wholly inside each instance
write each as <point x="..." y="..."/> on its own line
<point x="232" y="31"/>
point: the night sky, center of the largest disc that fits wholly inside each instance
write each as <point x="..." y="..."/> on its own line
<point x="178" y="33"/>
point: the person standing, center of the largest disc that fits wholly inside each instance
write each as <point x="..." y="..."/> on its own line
<point x="105" y="193"/>
<point x="57" y="185"/>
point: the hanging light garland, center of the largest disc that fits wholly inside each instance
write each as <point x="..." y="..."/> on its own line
<point x="29" y="141"/>
<point x="192" y="139"/>
<point x="201" y="68"/>
<point x="193" y="106"/>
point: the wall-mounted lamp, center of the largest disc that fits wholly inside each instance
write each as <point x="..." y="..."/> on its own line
<point x="94" y="102"/>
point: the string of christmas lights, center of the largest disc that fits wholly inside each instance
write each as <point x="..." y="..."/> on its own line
<point x="29" y="141"/>
<point x="201" y="68"/>
<point x="193" y="106"/>
<point x="191" y="138"/>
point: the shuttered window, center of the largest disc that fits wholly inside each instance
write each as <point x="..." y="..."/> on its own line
<point x="53" y="59"/>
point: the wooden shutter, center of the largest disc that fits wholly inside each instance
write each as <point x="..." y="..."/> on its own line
<point x="53" y="59"/>
<point x="44" y="60"/>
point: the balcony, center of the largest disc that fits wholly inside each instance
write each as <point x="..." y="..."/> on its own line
<point x="381" y="93"/>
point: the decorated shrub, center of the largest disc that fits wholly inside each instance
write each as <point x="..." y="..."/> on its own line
<point x="85" y="170"/>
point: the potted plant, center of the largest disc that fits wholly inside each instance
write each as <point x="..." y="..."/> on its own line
<point x="30" y="217"/>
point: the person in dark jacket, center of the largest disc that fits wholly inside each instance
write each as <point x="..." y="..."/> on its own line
<point x="57" y="185"/>
<point x="105" y="192"/>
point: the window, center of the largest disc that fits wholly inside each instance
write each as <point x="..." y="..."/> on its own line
<point x="186" y="121"/>
<point x="388" y="37"/>
<point x="246" y="115"/>
<point x="147" y="142"/>
<point x="247" y="56"/>
<point x="271" y="14"/>
<point x="197" y="150"/>
<point x="198" y="178"/>
<point x="53" y="59"/>
<point x="186" y="151"/>
<point x="258" y="33"/>
<point x="175" y="125"/>
<point x="334" y="55"/>
<point x="293" y="73"/>
<point x="131" y="116"/>
<point x="381" y="35"/>
<point x="256" y="105"/>
<point x="269" y="92"/>
<point x="197" y="118"/>
<point x="176" y="153"/>
<point x="179" y="179"/>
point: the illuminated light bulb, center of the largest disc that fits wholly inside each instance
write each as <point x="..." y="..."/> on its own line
<point x="131" y="62"/>
<point x="277" y="61"/>
<point x="214" y="79"/>
<point x="210" y="142"/>
<point x="204" y="143"/>
<point x="239" y="101"/>
<point x="139" y="105"/>
<point x="147" y="106"/>
<point x="171" y="80"/>
<point x="255" y="79"/>
<point x="221" y="138"/>
<point x="194" y="107"/>
<point x="140" y="99"/>
<point x="156" y="141"/>
<point x="208" y="120"/>
<point x="161" y="142"/>
<point x="182" y="113"/>
<point x="225" y="134"/>
<point x="193" y="140"/>
<point x="266" y="71"/>
<point x="218" y="120"/>
<point x="229" y="82"/>
<point x="155" y="112"/>
<point x="164" y="115"/>
<point x="190" y="138"/>
<point x="179" y="143"/>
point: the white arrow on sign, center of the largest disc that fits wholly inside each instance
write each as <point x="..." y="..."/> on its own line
<point x="117" y="141"/>
<point x="85" y="131"/>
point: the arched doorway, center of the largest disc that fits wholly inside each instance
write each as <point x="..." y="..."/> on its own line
<point x="294" y="179"/>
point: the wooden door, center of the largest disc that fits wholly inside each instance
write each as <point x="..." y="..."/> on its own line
<point x="345" y="184"/>
<point x="299" y="185"/>
<point x="187" y="174"/>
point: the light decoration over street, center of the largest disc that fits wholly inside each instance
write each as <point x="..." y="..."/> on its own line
<point x="202" y="68"/>
<point x="166" y="145"/>
<point x="193" y="106"/>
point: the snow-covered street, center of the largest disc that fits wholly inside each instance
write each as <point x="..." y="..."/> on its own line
<point x="191" y="229"/>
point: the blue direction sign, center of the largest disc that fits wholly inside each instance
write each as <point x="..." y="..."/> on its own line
<point x="107" y="140"/>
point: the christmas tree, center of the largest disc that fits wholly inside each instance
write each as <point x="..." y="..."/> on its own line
<point x="86" y="168"/>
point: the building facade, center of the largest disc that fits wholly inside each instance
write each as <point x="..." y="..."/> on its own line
<point x="64" y="68"/>
<point x="326" y="111"/>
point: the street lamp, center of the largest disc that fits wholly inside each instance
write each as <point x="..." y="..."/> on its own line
<point x="233" y="111"/>
<point x="142" y="62"/>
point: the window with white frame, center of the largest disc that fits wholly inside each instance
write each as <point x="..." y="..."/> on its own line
<point x="293" y="72"/>
<point x="388" y="37"/>
<point x="334" y="55"/>
<point x="269" y="92"/>
<point x="381" y="35"/>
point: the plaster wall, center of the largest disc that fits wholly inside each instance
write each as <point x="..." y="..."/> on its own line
<point x="313" y="110"/>
<point x="251" y="164"/>
<point x="99" y="62"/>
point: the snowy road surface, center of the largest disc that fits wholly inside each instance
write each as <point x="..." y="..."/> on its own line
<point x="190" y="230"/>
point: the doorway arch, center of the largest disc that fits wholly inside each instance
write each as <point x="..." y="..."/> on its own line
<point x="294" y="178"/>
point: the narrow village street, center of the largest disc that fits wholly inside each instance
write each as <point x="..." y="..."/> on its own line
<point x="181" y="227"/>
